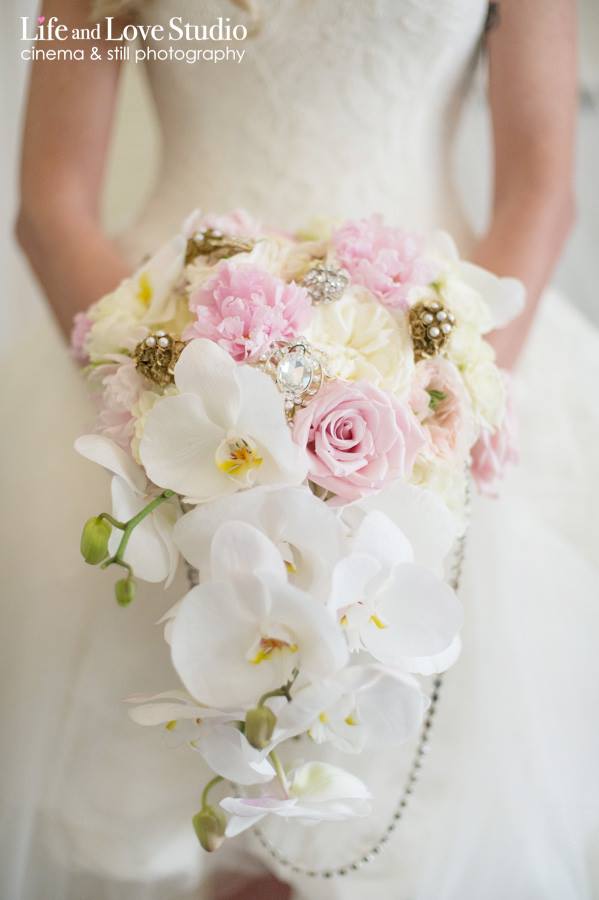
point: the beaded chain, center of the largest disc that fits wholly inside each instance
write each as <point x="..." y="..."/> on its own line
<point x="422" y="748"/>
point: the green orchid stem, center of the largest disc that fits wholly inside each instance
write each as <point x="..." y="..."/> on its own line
<point x="113" y="522"/>
<point x="284" y="691"/>
<point x="274" y="758"/>
<point x="129" y="527"/>
<point x="208" y="788"/>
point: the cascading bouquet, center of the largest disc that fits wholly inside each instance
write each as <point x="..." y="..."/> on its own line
<point x="296" y="417"/>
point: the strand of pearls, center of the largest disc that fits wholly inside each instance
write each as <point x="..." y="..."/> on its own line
<point x="422" y="748"/>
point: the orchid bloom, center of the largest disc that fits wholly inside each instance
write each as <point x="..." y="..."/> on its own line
<point x="213" y="733"/>
<point x="243" y="633"/>
<point x="362" y="704"/>
<point x="307" y="532"/>
<point x="400" y="612"/>
<point x="226" y="429"/>
<point x="315" y="792"/>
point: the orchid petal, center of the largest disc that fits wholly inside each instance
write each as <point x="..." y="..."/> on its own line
<point x="205" y="369"/>
<point x="107" y="453"/>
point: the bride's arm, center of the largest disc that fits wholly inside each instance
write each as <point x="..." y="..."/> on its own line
<point x="533" y="96"/>
<point x="66" y="136"/>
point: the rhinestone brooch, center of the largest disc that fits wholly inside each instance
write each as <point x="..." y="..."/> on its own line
<point x="325" y="284"/>
<point x="430" y="326"/>
<point x="297" y="370"/>
<point x="215" y="245"/>
<point x="155" y="357"/>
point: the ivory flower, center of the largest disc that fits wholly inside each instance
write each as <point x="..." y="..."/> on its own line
<point x="226" y="430"/>
<point x="363" y="341"/>
<point x="142" y="302"/>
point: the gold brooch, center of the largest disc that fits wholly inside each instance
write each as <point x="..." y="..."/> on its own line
<point x="430" y="326"/>
<point x="156" y="356"/>
<point x="215" y="245"/>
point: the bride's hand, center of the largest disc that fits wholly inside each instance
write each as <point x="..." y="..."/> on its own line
<point x="66" y="137"/>
<point x="533" y="98"/>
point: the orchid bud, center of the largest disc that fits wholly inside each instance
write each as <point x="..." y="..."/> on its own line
<point x="94" y="540"/>
<point x="259" y="725"/>
<point x="209" y="825"/>
<point x="124" y="591"/>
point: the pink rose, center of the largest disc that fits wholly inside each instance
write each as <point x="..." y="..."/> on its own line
<point x="385" y="260"/>
<point x="245" y="309"/>
<point x="79" y="332"/>
<point x="358" y="438"/>
<point x="441" y="403"/>
<point x="495" y="450"/>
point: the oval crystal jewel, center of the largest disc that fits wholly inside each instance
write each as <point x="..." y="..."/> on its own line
<point x="295" y="371"/>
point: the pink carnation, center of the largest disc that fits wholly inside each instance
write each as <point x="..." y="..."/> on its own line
<point x="81" y="327"/>
<point x="385" y="260"/>
<point x="245" y="309"/>
<point x="440" y="401"/>
<point x="495" y="450"/>
<point x="358" y="438"/>
<point x="122" y="386"/>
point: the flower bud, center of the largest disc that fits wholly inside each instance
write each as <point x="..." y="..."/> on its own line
<point x="259" y="726"/>
<point x="209" y="826"/>
<point x="94" y="540"/>
<point x="124" y="591"/>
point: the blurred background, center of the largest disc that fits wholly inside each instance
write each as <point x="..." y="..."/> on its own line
<point x="135" y="159"/>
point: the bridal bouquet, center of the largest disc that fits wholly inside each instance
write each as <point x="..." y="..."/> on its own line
<point x="295" y="417"/>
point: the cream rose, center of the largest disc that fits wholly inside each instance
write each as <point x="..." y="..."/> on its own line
<point x="363" y="340"/>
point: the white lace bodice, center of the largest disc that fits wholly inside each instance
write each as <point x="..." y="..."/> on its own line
<point x="338" y="108"/>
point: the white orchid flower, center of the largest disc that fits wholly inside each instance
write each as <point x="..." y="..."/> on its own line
<point x="363" y="704"/>
<point x="242" y="634"/>
<point x="475" y="295"/>
<point x="403" y="614"/>
<point x="316" y="792"/>
<point x="151" y="552"/>
<point x="307" y="532"/>
<point x="424" y="518"/>
<point x="225" y="431"/>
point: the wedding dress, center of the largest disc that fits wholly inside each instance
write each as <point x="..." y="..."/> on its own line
<point x="338" y="109"/>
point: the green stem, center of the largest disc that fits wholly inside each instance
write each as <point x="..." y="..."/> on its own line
<point x="274" y="758"/>
<point x="284" y="691"/>
<point x="208" y="788"/>
<point x="114" y="522"/>
<point x="129" y="527"/>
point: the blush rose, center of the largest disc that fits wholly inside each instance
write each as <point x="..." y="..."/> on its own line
<point x="358" y="437"/>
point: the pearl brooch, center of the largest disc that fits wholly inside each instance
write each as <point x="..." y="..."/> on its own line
<point x="430" y="326"/>
<point x="155" y="357"/>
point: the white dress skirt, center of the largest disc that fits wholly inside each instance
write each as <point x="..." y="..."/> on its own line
<point x="338" y="109"/>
